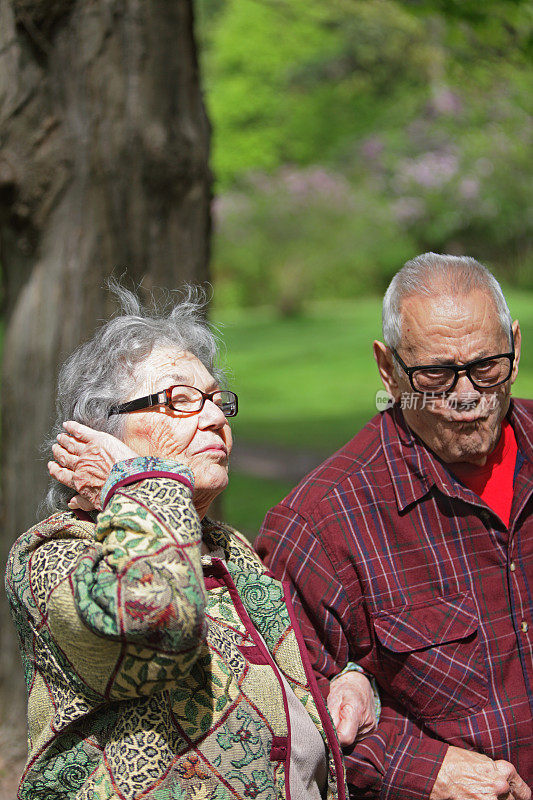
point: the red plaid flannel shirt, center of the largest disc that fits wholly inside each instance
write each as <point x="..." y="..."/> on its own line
<point x="396" y="565"/>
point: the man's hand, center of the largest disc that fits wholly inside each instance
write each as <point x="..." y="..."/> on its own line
<point x="465" y="775"/>
<point x="83" y="460"/>
<point x="352" y="707"/>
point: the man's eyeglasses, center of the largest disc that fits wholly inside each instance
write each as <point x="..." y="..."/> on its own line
<point x="483" y="373"/>
<point x="183" y="399"/>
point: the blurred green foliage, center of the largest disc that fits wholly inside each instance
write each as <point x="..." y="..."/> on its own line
<point x="351" y="135"/>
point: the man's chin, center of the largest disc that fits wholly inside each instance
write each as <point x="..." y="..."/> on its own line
<point x="470" y="448"/>
<point x="466" y="441"/>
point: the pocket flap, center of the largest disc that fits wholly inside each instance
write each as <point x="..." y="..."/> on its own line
<point x="444" y="619"/>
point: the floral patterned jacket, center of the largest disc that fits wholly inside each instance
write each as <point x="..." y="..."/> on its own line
<point x="145" y="673"/>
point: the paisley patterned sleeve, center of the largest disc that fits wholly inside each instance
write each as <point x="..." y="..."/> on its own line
<point x="131" y="617"/>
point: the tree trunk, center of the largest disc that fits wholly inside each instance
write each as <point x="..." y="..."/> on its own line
<point x="103" y="168"/>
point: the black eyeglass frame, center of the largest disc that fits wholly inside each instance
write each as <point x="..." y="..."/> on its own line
<point x="456" y="368"/>
<point x="164" y="398"/>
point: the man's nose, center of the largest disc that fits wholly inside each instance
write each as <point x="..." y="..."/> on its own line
<point x="465" y="386"/>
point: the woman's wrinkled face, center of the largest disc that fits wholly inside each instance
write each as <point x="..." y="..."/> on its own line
<point x="202" y="441"/>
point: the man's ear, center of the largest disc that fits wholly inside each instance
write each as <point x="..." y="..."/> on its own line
<point x="517" y="348"/>
<point x="385" y="364"/>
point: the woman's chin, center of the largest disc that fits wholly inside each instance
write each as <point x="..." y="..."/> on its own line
<point x="208" y="487"/>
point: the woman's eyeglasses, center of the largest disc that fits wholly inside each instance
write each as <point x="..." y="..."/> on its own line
<point x="183" y="399"/>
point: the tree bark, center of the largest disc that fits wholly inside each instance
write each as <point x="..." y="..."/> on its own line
<point x="103" y="169"/>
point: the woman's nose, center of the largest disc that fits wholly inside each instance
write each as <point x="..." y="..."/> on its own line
<point x="211" y="415"/>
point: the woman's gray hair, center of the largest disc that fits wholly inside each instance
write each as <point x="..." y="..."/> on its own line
<point x="101" y="372"/>
<point x="431" y="273"/>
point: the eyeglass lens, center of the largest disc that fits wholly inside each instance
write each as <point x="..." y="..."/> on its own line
<point x="484" y="375"/>
<point x="188" y="399"/>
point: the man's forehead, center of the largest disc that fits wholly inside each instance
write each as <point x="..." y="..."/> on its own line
<point x="450" y="315"/>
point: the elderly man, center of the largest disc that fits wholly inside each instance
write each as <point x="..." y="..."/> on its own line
<point x="410" y="550"/>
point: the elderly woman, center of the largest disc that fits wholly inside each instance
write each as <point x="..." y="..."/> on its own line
<point x="162" y="660"/>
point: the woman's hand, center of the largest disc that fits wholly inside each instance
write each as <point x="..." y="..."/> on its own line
<point x="352" y="707"/>
<point x="83" y="460"/>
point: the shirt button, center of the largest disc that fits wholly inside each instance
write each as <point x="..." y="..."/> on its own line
<point x="512" y="566"/>
<point x="524" y="627"/>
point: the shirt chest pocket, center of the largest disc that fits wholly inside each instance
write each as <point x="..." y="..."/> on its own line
<point x="430" y="657"/>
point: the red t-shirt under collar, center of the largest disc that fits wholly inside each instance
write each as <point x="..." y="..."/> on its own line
<point x="493" y="482"/>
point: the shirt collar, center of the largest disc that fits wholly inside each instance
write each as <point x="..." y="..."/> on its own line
<point x="409" y="462"/>
<point x="415" y="470"/>
<point x="521" y="418"/>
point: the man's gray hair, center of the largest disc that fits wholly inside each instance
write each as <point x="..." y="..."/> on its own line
<point x="101" y="372"/>
<point x="433" y="273"/>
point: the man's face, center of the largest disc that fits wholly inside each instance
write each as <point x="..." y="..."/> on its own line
<point x="463" y="426"/>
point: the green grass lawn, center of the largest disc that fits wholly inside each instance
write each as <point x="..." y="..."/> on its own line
<point x="247" y="499"/>
<point x="310" y="382"/>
